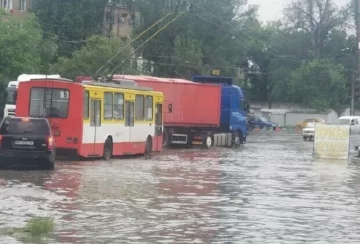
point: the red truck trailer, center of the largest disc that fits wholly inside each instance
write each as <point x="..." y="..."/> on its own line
<point x="188" y="106"/>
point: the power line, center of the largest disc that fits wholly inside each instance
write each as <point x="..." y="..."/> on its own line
<point x="129" y="43"/>
<point x="146" y="41"/>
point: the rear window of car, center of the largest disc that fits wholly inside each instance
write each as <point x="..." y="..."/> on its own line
<point x="23" y="127"/>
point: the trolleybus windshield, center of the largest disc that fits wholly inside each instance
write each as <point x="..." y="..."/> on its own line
<point x="49" y="102"/>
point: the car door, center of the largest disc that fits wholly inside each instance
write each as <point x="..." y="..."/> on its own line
<point x="356" y="125"/>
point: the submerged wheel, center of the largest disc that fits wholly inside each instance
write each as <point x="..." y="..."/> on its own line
<point x="166" y="139"/>
<point x="148" y="145"/>
<point x="108" y="149"/>
<point x="207" y="141"/>
<point x="48" y="164"/>
<point x="236" y="141"/>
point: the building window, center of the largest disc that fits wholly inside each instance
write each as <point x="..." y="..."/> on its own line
<point x="139" y="107"/>
<point x="118" y="106"/>
<point x="22" y="5"/>
<point x="149" y="108"/>
<point x="108" y="106"/>
<point x="50" y="103"/>
<point x="86" y="105"/>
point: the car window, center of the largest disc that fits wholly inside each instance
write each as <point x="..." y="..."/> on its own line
<point x="310" y="125"/>
<point x="23" y="127"/>
<point x="344" y="121"/>
<point x="356" y="122"/>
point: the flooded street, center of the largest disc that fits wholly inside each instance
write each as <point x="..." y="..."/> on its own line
<point x="268" y="191"/>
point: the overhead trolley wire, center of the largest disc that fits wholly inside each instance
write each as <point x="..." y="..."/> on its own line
<point x="129" y="43"/>
<point x="146" y="41"/>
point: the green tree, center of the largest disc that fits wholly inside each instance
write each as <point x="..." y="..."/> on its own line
<point x="317" y="18"/>
<point x="88" y="59"/>
<point x="210" y="22"/>
<point x="319" y="84"/>
<point x="20" y="45"/>
<point x="70" y="22"/>
<point x="187" y="57"/>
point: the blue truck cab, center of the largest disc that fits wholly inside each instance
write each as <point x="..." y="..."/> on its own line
<point x="234" y="105"/>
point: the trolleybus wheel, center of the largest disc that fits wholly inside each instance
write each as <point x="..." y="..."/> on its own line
<point x="148" y="146"/>
<point x="108" y="147"/>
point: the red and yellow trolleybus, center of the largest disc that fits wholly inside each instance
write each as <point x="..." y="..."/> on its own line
<point x="96" y="119"/>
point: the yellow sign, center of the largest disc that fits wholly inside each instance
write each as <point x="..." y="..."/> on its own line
<point x="331" y="141"/>
<point x="216" y="72"/>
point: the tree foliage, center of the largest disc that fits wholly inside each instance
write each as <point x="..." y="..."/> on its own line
<point x="20" y="45"/>
<point x="319" y="84"/>
<point x="88" y="59"/>
<point x="70" y="22"/>
<point x="308" y="58"/>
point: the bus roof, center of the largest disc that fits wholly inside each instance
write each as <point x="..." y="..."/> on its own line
<point x="114" y="85"/>
<point x="100" y="84"/>
<point x="152" y="78"/>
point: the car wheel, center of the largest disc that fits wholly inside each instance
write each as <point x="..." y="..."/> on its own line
<point x="304" y="137"/>
<point x="47" y="164"/>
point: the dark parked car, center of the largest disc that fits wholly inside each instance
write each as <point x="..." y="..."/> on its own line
<point x="27" y="141"/>
<point x="261" y="122"/>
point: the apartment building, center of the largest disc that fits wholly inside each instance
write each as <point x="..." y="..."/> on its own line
<point x="17" y="7"/>
<point x="120" y="19"/>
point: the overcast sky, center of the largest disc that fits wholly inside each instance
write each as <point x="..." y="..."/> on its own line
<point x="272" y="9"/>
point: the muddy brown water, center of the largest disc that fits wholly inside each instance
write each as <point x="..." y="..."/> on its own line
<point x="268" y="191"/>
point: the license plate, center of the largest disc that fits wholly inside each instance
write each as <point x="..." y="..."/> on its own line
<point x="22" y="143"/>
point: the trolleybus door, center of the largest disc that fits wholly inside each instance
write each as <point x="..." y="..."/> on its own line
<point x="129" y="117"/>
<point x="95" y="121"/>
<point x="158" y="126"/>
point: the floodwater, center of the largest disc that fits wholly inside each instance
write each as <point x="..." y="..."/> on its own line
<point x="268" y="191"/>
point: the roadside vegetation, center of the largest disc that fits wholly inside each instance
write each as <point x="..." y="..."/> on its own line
<point x="35" y="227"/>
<point x="309" y="57"/>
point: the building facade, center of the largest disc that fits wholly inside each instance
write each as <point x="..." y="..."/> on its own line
<point x="120" y="19"/>
<point x="17" y="7"/>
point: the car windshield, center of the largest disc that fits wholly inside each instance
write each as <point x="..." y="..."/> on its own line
<point x="18" y="126"/>
<point x="310" y="125"/>
<point x="263" y="119"/>
<point x="344" y="121"/>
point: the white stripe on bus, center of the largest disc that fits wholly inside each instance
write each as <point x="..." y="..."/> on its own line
<point x="119" y="133"/>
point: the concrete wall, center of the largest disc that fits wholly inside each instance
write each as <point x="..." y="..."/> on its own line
<point x="292" y="118"/>
<point x="278" y="118"/>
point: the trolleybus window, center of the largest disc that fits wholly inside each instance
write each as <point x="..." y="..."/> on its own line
<point x="49" y="102"/>
<point x="108" y="106"/>
<point x="149" y="108"/>
<point x="118" y="106"/>
<point x="139" y="107"/>
<point x="86" y="105"/>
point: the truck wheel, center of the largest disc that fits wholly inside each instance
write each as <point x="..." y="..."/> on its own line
<point x="108" y="149"/>
<point x="236" y="141"/>
<point x="166" y="139"/>
<point x="207" y="141"/>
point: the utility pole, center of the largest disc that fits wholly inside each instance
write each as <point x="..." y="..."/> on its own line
<point x="356" y="78"/>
